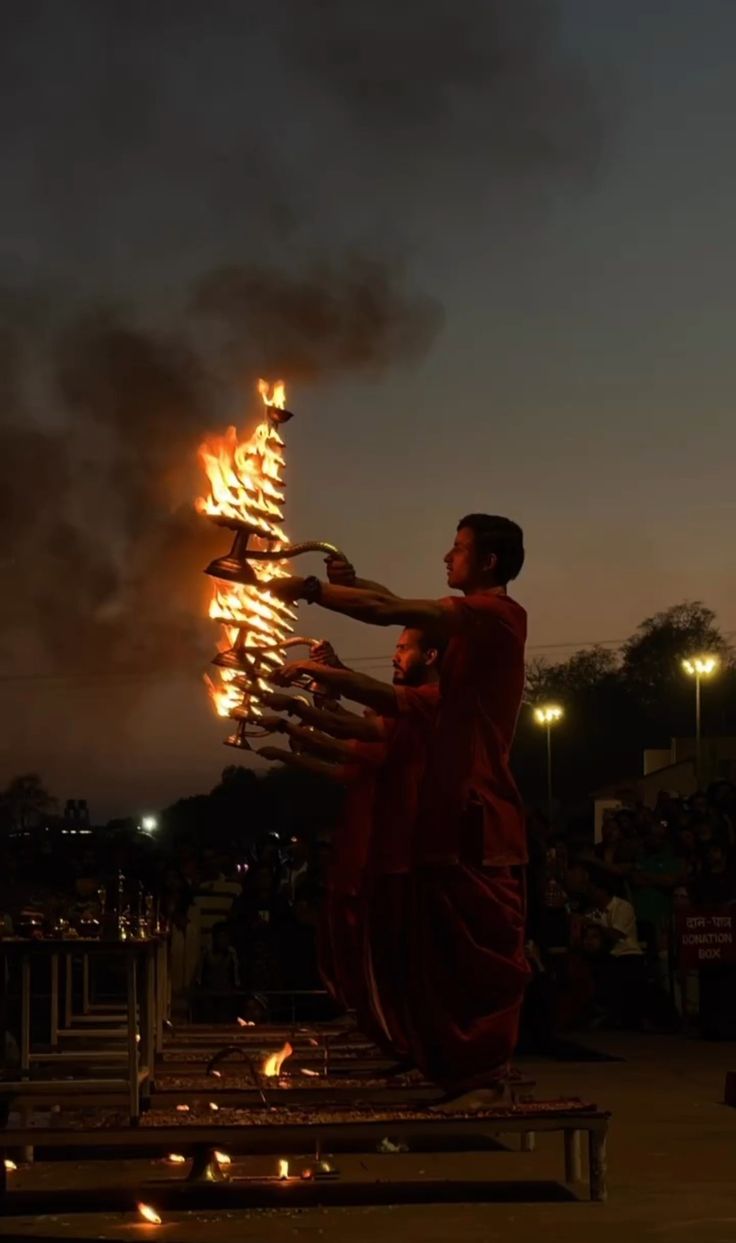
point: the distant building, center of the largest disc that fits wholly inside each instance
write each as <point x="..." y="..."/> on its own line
<point x="669" y="768"/>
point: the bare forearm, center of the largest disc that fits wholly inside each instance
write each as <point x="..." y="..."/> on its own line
<point x="309" y="764"/>
<point x="367" y="584"/>
<point x="378" y="607"/>
<point x="321" y="744"/>
<point x="380" y="696"/>
<point x="342" y="724"/>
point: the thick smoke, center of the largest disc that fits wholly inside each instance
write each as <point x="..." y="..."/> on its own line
<point x="339" y="317"/>
<point x="482" y="78"/>
<point x="188" y="190"/>
<point x="106" y="549"/>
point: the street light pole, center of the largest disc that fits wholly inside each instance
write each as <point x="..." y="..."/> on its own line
<point x="548" y="715"/>
<point x="549" y="772"/>
<point x="698" y="754"/>
<point x="699" y="667"/>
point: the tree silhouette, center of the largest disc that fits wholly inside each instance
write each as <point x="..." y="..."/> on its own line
<point x="616" y="705"/>
<point x="25" y="802"/>
<point x="652" y="658"/>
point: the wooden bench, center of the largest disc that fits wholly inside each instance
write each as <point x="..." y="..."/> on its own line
<point x="286" y="1134"/>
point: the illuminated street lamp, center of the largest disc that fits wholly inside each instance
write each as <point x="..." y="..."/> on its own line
<point x="699" y="667"/>
<point x="548" y="715"/>
<point x="149" y="824"/>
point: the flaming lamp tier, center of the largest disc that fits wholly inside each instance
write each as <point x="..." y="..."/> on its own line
<point x="246" y="496"/>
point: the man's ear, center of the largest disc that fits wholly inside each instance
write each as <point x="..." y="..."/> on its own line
<point x="489" y="563"/>
<point x="431" y="656"/>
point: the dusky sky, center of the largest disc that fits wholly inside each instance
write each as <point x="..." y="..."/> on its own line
<point x="543" y="208"/>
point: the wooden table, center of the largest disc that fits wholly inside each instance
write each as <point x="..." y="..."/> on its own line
<point x="128" y="1039"/>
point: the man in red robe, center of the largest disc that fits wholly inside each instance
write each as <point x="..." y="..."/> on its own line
<point x="382" y="763"/>
<point x="352" y="759"/>
<point x="469" y="969"/>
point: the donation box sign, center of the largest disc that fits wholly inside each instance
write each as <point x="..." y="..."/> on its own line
<point x="706" y="936"/>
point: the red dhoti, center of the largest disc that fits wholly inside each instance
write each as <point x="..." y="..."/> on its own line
<point x="467" y="971"/>
<point x="343" y="966"/>
<point x="330" y="969"/>
<point x="391" y="858"/>
<point x="341" y="933"/>
<point x="386" y="961"/>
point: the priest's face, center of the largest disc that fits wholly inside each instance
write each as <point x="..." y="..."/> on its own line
<point x="411" y="660"/>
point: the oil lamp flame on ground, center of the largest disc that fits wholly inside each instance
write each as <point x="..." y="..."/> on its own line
<point x="283" y="1170"/>
<point x="271" y="1066"/>
<point x="149" y="1214"/>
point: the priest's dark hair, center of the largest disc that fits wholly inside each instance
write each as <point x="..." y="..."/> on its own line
<point x="500" y="537"/>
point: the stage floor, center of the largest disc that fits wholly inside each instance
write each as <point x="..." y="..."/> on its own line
<point x="671" y="1159"/>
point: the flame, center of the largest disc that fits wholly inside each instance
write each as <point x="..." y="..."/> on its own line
<point x="283" y="1169"/>
<point x="222" y="1158"/>
<point x="148" y="1214"/>
<point x="245" y="1022"/>
<point x="10" y="1165"/>
<point x="273" y="1063"/>
<point x="176" y="1158"/>
<point x="277" y="396"/>
<point x="311" y="1074"/>
<point x="245" y="478"/>
<point x="246" y="487"/>
<point x="214" y="1106"/>
<point x="216" y="1074"/>
<point x="182" y="1109"/>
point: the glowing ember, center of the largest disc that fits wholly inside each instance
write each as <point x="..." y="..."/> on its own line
<point x="311" y="1074"/>
<point x="176" y="1158"/>
<point x="216" y="1074"/>
<point x="307" y="1174"/>
<point x="182" y="1109"/>
<point x="222" y="1158"/>
<point x="149" y="1214"/>
<point x="273" y="1063"/>
<point x="283" y="1169"/>
<point x="10" y="1165"/>
<point x="246" y="491"/>
<point x="245" y="1022"/>
<point x="214" y="1107"/>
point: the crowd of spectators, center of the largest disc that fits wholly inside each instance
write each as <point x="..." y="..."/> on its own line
<point x="604" y="917"/>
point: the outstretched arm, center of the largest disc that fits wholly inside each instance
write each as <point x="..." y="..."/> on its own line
<point x="320" y="744"/>
<point x="357" y="686"/>
<point x="345" y="724"/>
<point x="305" y="763"/>
<point x="340" y="723"/>
<point x="376" y="608"/>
